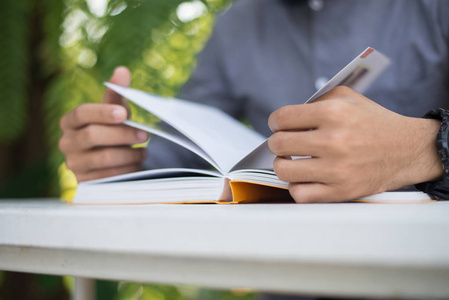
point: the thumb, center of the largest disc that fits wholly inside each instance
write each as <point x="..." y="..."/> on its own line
<point x="122" y="77"/>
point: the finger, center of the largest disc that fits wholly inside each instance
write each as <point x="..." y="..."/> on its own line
<point x="327" y="113"/>
<point x="297" y="143"/>
<point x="313" y="193"/>
<point x="95" y="113"/>
<point x="95" y="135"/>
<point x="296" y="117"/>
<point x="122" y="77"/>
<point x="302" y="170"/>
<point x="96" y="174"/>
<point x="104" y="158"/>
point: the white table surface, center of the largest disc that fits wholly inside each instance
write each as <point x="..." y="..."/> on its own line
<point x="349" y="249"/>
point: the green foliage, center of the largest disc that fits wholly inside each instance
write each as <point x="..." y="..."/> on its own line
<point x="28" y="286"/>
<point x="69" y="283"/>
<point x="15" y="27"/>
<point x="107" y="290"/>
<point x="238" y="294"/>
<point x="138" y="291"/>
<point x="145" y="16"/>
<point x="50" y="284"/>
<point x="35" y="178"/>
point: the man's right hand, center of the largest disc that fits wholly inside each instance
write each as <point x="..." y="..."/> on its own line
<point x="94" y="140"/>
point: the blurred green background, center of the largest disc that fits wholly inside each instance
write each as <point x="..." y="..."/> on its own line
<point x="55" y="55"/>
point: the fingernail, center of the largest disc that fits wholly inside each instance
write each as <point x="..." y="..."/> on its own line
<point x="142" y="135"/>
<point x="119" y="114"/>
<point x="272" y="121"/>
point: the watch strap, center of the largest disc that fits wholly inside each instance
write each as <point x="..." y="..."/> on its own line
<point x="439" y="189"/>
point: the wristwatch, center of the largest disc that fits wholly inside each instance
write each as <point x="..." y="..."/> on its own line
<point x="439" y="189"/>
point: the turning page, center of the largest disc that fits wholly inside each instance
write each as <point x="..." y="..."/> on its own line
<point x="222" y="137"/>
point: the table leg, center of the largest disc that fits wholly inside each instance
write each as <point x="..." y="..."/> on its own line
<point x="84" y="289"/>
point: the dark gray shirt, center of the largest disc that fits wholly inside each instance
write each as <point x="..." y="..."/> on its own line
<point x="265" y="54"/>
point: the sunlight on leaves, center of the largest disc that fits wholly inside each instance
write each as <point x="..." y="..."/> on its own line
<point x="189" y="11"/>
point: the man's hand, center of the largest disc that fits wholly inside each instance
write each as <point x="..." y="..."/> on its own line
<point x="93" y="140"/>
<point x="358" y="148"/>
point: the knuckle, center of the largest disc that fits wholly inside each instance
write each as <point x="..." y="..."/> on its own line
<point x="77" y="113"/>
<point x="81" y="111"/>
<point x="337" y="109"/>
<point x="282" y="116"/>
<point x="342" y="90"/>
<point x="338" y="142"/>
<point x="88" y="134"/>
<point x="63" y="144"/>
<point x="281" y="169"/>
<point x="276" y="143"/>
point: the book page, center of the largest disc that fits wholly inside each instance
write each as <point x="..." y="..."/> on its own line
<point x="177" y="138"/>
<point x="152" y="174"/>
<point x="257" y="176"/>
<point x="259" y="158"/>
<point x="222" y="137"/>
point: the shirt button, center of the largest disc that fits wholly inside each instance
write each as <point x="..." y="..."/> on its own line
<point x="316" y="5"/>
<point x="320" y="81"/>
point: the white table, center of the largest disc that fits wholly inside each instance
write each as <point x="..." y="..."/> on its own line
<point x="350" y="249"/>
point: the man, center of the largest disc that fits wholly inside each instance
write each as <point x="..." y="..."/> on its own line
<point x="271" y="55"/>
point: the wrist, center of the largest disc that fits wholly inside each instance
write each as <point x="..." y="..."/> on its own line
<point x="439" y="188"/>
<point x="425" y="164"/>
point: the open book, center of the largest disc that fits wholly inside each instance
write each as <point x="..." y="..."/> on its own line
<point x="243" y="164"/>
